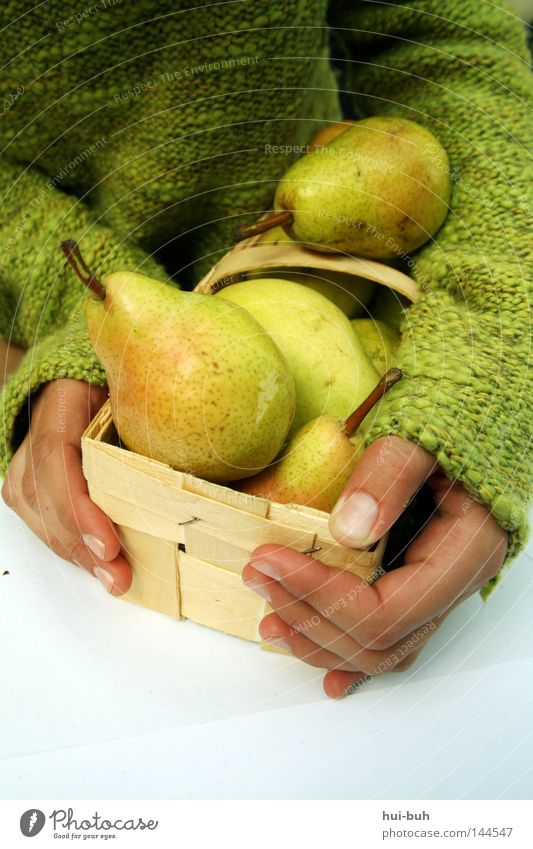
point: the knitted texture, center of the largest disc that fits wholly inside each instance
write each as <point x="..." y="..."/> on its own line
<point x="463" y="71"/>
<point x="148" y="131"/>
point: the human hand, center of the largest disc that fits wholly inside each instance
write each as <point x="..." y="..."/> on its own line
<point x="45" y="485"/>
<point x="332" y="619"/>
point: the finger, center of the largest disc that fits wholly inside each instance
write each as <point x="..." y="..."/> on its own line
<point x="114" y="575"/>
<point x="301" y="617"/>
<point x="54" y="457"/>
<point x="60" y="464"/>
<point x="305" y="620"/>
<point x="11" y="486"/>
<point x="274" y="630"/>
<point x="455" y="554"/>
<point x="43" y="521"/>
<point x="338" y="684"/>
<point x="386" y="477"/>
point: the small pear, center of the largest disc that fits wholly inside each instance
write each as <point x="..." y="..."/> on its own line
<point x="380" y="189"/>
<point x="379" y="341"/>
<point x="194" y="381"/>
<point x="349" y="293"/>
<point x="326" y="134"/>
<point x="275" y="236"/>
<point x="389" y="306"/>
<point x="319" y="460"/>
<point x="332" y="373"/>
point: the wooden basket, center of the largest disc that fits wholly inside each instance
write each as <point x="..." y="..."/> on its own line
<point x="188" y="540"/>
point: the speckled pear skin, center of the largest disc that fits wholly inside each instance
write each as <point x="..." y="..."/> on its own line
<point x="314" y="468"/>
<point x="194" y="381"/>
<point x="380" y="189"/>
<point x="379" y="340"/>
<point x="331" y="370"/>
<point x="349" y="293"/>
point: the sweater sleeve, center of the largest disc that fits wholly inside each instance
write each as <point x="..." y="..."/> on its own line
<point x="461" y="68"/>
<point x="40" y="299"/>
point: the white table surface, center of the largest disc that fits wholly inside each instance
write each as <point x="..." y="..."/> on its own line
<point x="102" y="699"/>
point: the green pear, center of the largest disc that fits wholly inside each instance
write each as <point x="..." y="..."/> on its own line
<point x="389" y="306"/>
<point x="380" y="189"/>
<point x="349" y="293"/>
<point x="327" y="133"/>
<point x="319" y="460"/>
<point x="194" y="380"/>
<point x="331" y="370"/>
<point x="313" y="470"/>
<point x="379" y="341"/>
<point x="275" y="236"/>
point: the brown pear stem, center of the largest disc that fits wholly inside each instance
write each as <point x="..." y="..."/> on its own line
<point x="351" y="424"/>
<point x="278" y="219"/>
<point x="73" y="254"/>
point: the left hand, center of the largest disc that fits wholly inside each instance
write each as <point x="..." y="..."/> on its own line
<point x="332" y="619"/>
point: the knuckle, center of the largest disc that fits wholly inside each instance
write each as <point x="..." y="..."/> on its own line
<point x="56" y="546"/>
<point x="372" y="634"/>
<point x="42" y="449"/>
<point x="406" y="662"/>
<point x="40" y="454"/>
<point x="8" y="492"/>
<point x="75" y="550"/>
<point x="66" y="512"/>
<point x="28" y="488"/>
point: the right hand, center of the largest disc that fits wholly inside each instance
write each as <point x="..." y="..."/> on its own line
<point x="45" y="485"/>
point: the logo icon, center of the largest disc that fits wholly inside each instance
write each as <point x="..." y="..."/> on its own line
<point x="32" y="822"/>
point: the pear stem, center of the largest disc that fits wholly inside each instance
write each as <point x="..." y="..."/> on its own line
<point x="351" y="424"/>
<point x="278" y="219"/>
<point x="73" y="254"/>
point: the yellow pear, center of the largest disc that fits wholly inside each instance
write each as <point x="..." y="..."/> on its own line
<point x="349" y="293"/>
<point x="327" y="133"/>
<point x="194" y="380"/>
<point x="319" y="460"/>
<point x="389" y="306"/>
<point x="380" y="189"/>
<point x="332" y="373"/>
<point x="379" y="341"/>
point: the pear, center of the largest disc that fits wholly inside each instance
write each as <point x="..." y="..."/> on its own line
<point x="275" y="236"/>
<point x="380" y="189"/>
<point x="389" y="306"/>
<point x="331" y="370"/>
<point x="194" y="381"/>
<point x="326" y="134"/>
<point x="319" y="460"/>
<point x="379" y="341"/>
<point x="349" y="293"/>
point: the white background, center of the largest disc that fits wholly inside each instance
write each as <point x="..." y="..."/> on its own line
<point x="102" y="699"/>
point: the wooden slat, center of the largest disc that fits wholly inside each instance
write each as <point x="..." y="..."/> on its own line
<point x="225" y="495"/>
<point x="298" y="516"/>
<point x="214" y="550"/>
<point x="155" y="576"/>
<point x="218" y="598"/>
<point x="114" y="473"/>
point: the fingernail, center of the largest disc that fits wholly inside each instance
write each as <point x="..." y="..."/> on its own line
<point x="105" y="578"/>
<point x="96" y="545"/>
<point x="353" y="518"/>
<point x="277" y="641"/>
<point x="258" y="588"/>
<point x="266" y="569"/>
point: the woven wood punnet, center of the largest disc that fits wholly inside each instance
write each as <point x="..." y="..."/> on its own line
<point x="187" y="539"/>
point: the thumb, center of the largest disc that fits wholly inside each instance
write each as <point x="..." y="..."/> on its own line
<point x="386" y="477"/>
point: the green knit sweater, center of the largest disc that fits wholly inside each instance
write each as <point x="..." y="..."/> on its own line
<point x="145" y="130"/>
